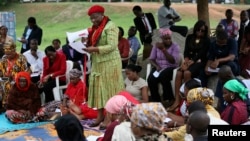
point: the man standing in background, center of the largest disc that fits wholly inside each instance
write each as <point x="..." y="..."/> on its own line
<point x="31" y="31"/>
<point x="145" y="24"/>
<point x="167" y="17"/>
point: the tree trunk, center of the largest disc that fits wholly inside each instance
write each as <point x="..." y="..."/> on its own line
<point x="203" y="12"/>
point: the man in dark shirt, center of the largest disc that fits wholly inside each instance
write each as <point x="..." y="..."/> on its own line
<point x="31" y="31"/>
<point x="223" y="51"/>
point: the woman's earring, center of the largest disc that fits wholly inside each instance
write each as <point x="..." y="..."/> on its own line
<point x="232" y="97"/>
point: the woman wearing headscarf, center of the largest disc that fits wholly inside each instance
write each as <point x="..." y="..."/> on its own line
<point x="4" y="38"/>
<point x="118" y="109"/>
<point x="75" y="98"/>
<point x="24" y="100"/>
<point x="106" y="78"/>
<point x="11" y="64"/>
<point x="164" y="59"/>
<point x="206" y="96"/>
<point x="69" y="128"/>
<point x="178" y="118"/>
<point x="147" y="122"/>
<point x="234" y="93"/>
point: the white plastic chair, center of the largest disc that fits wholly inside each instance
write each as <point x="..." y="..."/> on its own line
<point x="149" y="67"/>
<point x="58" y="90"/>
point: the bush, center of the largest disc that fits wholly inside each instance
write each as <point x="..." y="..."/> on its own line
<point x="3" y="2"/>
<point x="247" y="1"/>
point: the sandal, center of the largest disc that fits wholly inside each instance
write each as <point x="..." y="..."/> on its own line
<point x="102" y="127"/>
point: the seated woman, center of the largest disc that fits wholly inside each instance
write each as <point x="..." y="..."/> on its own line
<point x="4" y="38"/>
<point x="75" y="98"/>
<point x="11" y="63"/>
<point x="195" y="58"/>
<point x="136" y="85"/>
<point x="54" y="64"/>
<point x="244" y="56"/>
<point x="147" y="127"/>
<point x="178" y="118"/>
<point x="24" y="100"/>
<point x="118" y="109"/>
<point x="164" y="59"/>
<point x="234" y="93"/>
<point x="206" y="96"/>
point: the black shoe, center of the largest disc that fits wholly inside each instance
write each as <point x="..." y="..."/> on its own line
<point x="94" y="124"/>
<point x="102" y="127"/>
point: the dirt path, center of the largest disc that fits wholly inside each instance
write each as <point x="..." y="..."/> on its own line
<point x="216" y="11"/>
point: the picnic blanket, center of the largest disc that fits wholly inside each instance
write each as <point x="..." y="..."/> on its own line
<point x="43" y="132"/>
<point x="6" y="125"/>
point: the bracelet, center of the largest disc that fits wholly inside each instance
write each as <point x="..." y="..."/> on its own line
<point x="175" y="124"/>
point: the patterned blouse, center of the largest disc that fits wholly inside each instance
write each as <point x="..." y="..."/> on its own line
<point x="11" y="68"/>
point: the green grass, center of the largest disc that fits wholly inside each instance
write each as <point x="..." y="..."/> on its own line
<point x="57" y="18"/>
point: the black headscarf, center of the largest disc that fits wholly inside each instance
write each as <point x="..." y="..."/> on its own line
<point x="69" y="128"/>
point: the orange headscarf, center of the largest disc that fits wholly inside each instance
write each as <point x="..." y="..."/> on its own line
<point x="26" y="75"/>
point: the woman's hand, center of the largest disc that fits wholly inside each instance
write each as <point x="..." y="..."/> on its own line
<point x="91" y="49"/>
<point x="23" y="40"/>
<point x="190" y="62"/>
<point x="245" y="51"/>
<point x="184" y="66"/>
<point x="40" y="84"/>
<point x="160" y="46"/>
<point x="46" y="78"/>
<point x="158" y="68"/>
<point x="214" y="64"/>
<point x="64" y="109"/>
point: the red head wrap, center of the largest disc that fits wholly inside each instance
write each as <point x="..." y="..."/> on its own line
<point x="26" y="75"/>
<point x="95" y="9"/>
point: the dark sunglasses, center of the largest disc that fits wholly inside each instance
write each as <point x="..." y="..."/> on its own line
<point x="201" y="30"/>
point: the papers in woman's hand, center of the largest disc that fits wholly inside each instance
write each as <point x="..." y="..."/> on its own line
<point x="157" y="73"/>
<point x="248" y="71"/>
<point x="72" y="36"/>
<point x="78" y="46"/>
<point x="75" y="42"/>
<point x="94" y="138"/>
<point x="213" y="70"/>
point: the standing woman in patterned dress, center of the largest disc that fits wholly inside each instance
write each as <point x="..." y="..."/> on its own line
<point x="106" y="78"/>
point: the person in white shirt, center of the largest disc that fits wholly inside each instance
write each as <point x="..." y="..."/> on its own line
<point x="35" y="60"/>
<point x="167" y="17"/>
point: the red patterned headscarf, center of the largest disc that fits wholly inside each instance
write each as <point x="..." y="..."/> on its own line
<point x="26" y="75"/>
